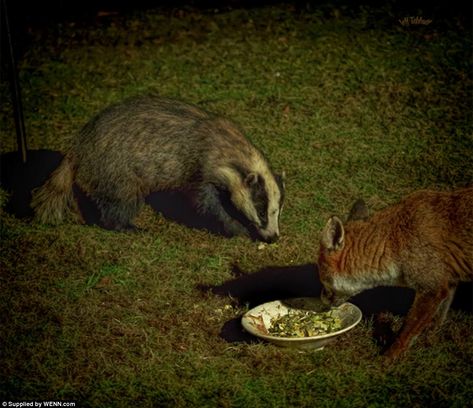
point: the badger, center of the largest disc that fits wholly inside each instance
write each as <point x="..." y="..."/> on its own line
<point x="149" y="143"/>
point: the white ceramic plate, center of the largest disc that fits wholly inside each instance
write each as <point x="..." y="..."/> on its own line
<point x="258" y="320"/>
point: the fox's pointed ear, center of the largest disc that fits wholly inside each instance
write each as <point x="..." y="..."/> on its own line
<point x="333" y="234"/>
<point x="359" y="211"/>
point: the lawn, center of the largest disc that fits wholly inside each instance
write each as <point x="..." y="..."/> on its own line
<point x="346" y="100"/>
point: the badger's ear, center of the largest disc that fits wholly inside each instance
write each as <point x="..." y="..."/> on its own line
<point x="251" y="179"/>
<point x="333" y="234"/>
<point x="359" y="211"/>
<point x="281" y="180"/>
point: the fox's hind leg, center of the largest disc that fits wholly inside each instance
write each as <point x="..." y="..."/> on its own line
<point x="421" y="314"/>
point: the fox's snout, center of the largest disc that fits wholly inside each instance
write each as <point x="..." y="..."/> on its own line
<point x="329" y="298"/>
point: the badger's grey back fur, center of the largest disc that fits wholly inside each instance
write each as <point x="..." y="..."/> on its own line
<point x="149" y="144"/>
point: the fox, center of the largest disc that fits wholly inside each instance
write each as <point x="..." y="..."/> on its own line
<point x="424" y="242"/>
<point x="150" y="143"/>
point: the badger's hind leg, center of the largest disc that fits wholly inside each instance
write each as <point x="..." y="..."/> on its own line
<point x="118" y="213"/>
<point x="209" y="203"/>
<point x="115" y="186"/>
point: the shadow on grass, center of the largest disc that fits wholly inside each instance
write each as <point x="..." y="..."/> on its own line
<point x="19" y="179"/>
<point x="275" y="283"/>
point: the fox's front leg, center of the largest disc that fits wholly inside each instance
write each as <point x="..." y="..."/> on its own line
<point x="421" y="314"/>
<point x="444" y="308"/>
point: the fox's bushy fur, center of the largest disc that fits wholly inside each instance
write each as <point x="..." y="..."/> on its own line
<point x="425" y="242"/>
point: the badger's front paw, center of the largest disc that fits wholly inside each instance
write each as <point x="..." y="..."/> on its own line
<point x="234" y="228"/>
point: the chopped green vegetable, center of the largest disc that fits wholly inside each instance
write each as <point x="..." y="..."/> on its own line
<point x="302" y="323"/>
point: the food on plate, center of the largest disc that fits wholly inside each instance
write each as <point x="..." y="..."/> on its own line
<point x="303" y="323"/>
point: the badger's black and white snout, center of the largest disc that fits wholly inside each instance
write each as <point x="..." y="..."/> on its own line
<point x="259" y="196"/>
<point x="267" y="197"/>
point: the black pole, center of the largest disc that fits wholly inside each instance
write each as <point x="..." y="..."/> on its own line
<point x="15" y="87"/>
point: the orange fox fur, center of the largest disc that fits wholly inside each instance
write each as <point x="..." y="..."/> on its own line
<point x="425" y="242"/>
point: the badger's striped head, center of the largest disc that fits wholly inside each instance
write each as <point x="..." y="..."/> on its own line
<point x="259" y="197"/>
<point x="264" y="207"/>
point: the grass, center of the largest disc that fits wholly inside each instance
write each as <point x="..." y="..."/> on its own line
<point x="346" y="100"/>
